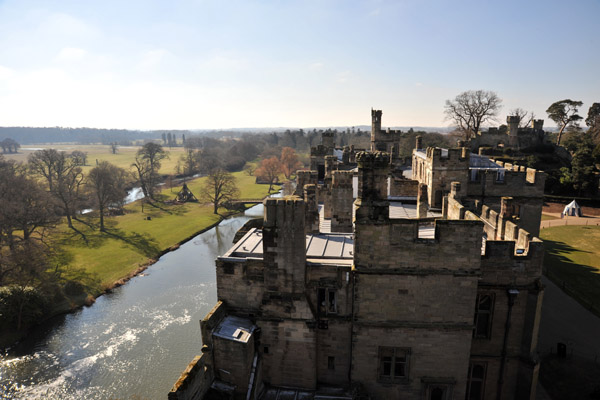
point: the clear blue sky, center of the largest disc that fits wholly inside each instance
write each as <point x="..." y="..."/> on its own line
<point x="145" y="64"/>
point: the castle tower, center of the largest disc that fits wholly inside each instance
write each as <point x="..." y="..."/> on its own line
<point x="373" y="171"/>
<point x="422" y="201"/>
<point x="341" y="202"/>
<point x="375" y="128"/>
<point x="512" y="121"/>
<point x="311" y="213"/>
<point x="284" y="244"/>
<point x="328" y="139"/>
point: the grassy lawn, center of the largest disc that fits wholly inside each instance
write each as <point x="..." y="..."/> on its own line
<point x="570" y="378"/>
<point x="573" y="261"/>
<point x="546" y="217"/>
<point x="132" y="240"/>
<point x="124" y="157"/>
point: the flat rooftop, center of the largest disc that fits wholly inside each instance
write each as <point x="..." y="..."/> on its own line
<point x="235" y="328"/>
<point x="324" y="247"/>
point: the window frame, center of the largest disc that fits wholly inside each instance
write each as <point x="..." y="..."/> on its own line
<point x="394" y="353"/>
<point x="470" y="379"/>
<point x="330" y="308"/>
<point x="479" y="312"/>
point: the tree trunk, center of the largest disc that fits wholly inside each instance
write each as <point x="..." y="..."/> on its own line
<point x="560" y="135"/>
<point x="69" y="222"/>
<point x="215" y="208"/>
<point x="102" y="219"/>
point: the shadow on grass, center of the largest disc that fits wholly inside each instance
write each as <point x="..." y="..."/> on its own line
<point x="570" y="378"/>
<point x="582" y="282"/>
<point x="142" y="243"/>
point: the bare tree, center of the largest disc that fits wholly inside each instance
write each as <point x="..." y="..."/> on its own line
<point x="79" y="157"/>
<point x="147" y="164"/>
<point x="26" y="209"/>
<point x="525" y="117"/>
<point x="470" y="109"/>
<point x="564" y="113"/>
<point x="219" y="188"/>
<point x="63" y="177"/>
<point x="108" y="184"/>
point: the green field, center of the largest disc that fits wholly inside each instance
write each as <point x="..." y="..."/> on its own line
<point x="132" y="240"/>
<point x="573" y="261"/>
<point x="124" y="157"/>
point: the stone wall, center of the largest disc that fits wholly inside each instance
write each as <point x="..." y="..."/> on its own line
<point x="288" y="349"/>
<point x="400" y="187"/>
<point x="194" y="382"/>
<point x="436" y="354"/>
<point x="439" y="169"/>
<point x="341" y="201"/>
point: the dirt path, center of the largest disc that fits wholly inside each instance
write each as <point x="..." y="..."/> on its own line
<point x="568" y="221"/>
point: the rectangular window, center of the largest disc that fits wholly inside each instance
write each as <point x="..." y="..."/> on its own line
<point x="327" y="300"/>
<point x="393" y="364"/>
<point x="330" y="362"/>
<point x="475" y="384"/>
<point x="484" y="307"/>
<point x="500" y="175"/>
<point x="438" y="391"/>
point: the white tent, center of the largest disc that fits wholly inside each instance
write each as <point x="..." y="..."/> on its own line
<point x="572" y="209"/>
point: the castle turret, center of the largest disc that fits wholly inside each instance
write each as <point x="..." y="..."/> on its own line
<point x="311" y="213"/>
<point x="341" y="202"/>
<point x="422" y="205"/>
<point x="512" y="121"/>
<point x="373" y="171"/>
<point x="284" y="244"/>
<point x="537" y="124"/>
<point x="328" y="139"/>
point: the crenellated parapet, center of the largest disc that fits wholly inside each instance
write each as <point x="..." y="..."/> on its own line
<point x="284" y="243"/>
<point x="406" y="251"/>
<point x="305" y="177"/>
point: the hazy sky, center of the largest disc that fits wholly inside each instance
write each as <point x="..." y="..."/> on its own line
<point x="219" y="64"/>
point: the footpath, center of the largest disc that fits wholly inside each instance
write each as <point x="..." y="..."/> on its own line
<point x="568" y="221"/>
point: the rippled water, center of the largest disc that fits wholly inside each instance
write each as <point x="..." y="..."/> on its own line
<point x="132" y="343"/>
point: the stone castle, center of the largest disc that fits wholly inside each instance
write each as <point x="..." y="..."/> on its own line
<point x="367" y="285"/>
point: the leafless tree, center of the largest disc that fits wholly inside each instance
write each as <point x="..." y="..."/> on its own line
<point x="108" y="184"/>
<point x="64" y="179"/>
<point x="525" y="117"/>
<point x="147" y="164"/>
<point x="219" y="188"/>
<point x="470" y="109"/>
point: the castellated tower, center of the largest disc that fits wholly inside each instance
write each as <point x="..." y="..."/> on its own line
<point x="512" y="121"/>
<point x="375" y="128"/>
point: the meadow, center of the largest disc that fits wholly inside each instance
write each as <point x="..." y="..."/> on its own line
<point x="573" y="261"/>
<point x="100" y="152"/>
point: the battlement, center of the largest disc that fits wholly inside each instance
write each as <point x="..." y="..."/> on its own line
<point x="405" y="249"/>
<point x="512" y="175"/>
<point x="537" y="124"/>
<point x="342" y="179"/>
<point x="376" y="115"/>
<point x="513" y="119"/>
<point x="305" y="177"/>
<point x="436" y="154"/>
<point x="373" y="171"/>
<point x="320" y="151"/>
<point x="371" y="160"/>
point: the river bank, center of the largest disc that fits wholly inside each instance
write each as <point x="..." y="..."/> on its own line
<point x="145" y="330"/>
<point x="131" y="243"/>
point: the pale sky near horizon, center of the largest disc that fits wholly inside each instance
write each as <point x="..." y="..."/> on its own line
<point x="194" y="64"/>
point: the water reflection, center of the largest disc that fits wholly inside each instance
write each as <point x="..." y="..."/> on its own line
<point x="132" y="342"/>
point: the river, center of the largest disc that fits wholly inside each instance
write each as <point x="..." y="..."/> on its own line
<point x="132" y="343"/>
